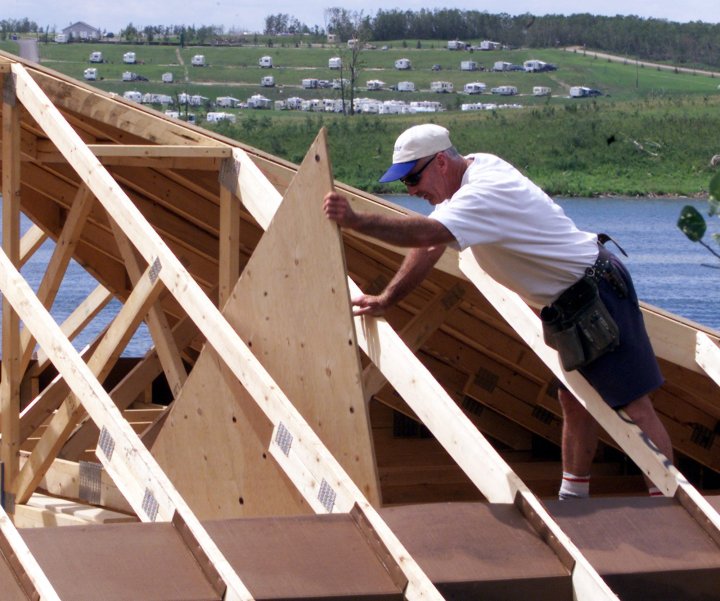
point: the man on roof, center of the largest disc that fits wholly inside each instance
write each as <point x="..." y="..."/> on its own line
<point x="525" y="241"/>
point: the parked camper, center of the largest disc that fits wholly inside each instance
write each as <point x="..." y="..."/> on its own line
<point x="227" y="102"/>
<point x="310" y="83"/>
<point x="406" y="86"/>
<point x="167" y="77"/>
<point x="215" y="117"/>
<point x="541" y="91"/>
<point x="198" y="60"/>
<point x="61" y="38"/>
<point x="151" y="98"/>
<point x="583" y="92"/>
<point x="536" y="66"/>
<point x="475" y="87"/>
<point x="96" y="57"/>
<point x="456" y="45"/>
<point x="133" y="95"/>
<point x="129" y="76"/>
<point x="268" y="81"/>
<point x="90" y="74"/>
<point x="488" y="45"/>
<point x="403" y="64"/>
<point x="129" y="58"/>
<point x="505" y="90"/>
<point x="443" y="87"/>
<point x="374" y="85"/>
<point x="502" y="66"/>
<point x="338" y="84"/>
<point x="335" y="63"/>
<point x="468" y="66"/>
<point x="266" y="62"/>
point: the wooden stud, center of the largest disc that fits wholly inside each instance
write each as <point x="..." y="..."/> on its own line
<point x="229" y="255"/>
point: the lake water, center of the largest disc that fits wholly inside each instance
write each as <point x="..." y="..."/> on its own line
<point x="669" y="271"/>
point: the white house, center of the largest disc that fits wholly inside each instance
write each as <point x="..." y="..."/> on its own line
<point x="266" y="62"/>
<point x="90" y="74"/>
<point x="96" y="57"/>
<point x="81" y="31"/>
<point x="403" y="64"/>
<point x="335" y="62"/>
<point x="198" y="60"/>
<point x="129" y="58"/>
<point x="468" y="66"/>
<point x="443" y="87"/>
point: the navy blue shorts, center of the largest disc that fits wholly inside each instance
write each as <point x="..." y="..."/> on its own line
<point x="631" y="370"/>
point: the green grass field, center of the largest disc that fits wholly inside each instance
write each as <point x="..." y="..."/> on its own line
<point x="652" y="131"/>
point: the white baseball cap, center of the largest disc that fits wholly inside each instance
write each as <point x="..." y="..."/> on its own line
<point x="413" y="144"/>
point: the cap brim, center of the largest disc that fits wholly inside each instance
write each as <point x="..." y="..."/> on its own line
<point x="398" y="171"/>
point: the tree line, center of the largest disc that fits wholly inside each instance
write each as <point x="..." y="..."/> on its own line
<point x="647" y="38"/>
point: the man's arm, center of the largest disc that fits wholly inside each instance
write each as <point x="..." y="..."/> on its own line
<point x="428" y="236"/>
<point x="400" y="230"/>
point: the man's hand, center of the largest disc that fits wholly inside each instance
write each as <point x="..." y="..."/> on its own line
<point x="337" y="208"/>
<point x="368" y="304"/>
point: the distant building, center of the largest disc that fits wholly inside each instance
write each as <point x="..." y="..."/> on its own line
<point x="81" y="31"/>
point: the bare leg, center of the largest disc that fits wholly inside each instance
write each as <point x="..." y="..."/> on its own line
<point x="579" y="436"/>
<point x="642" y="412"/>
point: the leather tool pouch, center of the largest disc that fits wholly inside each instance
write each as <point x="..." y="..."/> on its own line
<point x="578" y="326"/>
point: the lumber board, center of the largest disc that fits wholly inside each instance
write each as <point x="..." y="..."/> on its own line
<point x="42" y="511"/>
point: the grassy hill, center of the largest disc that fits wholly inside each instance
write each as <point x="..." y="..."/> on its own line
<point x="651" y="132"/>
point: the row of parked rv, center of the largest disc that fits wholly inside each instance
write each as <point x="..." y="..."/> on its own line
<point x="129" y="58"/>
<point x="92" y="74"/>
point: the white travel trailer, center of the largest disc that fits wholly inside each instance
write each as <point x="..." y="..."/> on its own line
<point x="227" y="102"/>
<point x="310" y="83"/>
<point x="403" y="64"/>
<point x="338" y="84"/>
<point x="61" y="38"/>
<point x="468" y="66"/>
<point x="406" y="86"/>
<point x="475" y="87"/>
<point x="505" y="90"/>
<point x="456" y="45"/>
<point x="502" y="66"/>
<point x="266" y="62"/>
<point x="541" y="91"/>
<point x="96" y="57"/>
<point x="167" y="77"/>
<point x="294" y="103"/>
<point x="335" y="63"/>
<point x="488" y="45"/>
<point x="198" y="60"/>
<point x="151" y="98"/>
<point x="133" y="95"/>
<point x="268" y="81"/>
<point x="258" y="101"/>
<point x="441" y="87"/>
<point x="375" y="85"/>
<point x="129" y="58"/>
<point x="90" y="74"/>
<point x="215" y="117"/>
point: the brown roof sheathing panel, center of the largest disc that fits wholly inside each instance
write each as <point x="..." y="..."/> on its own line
<point x="644" y="548"/>
<point x="480" y="551"/>
<point x="142" y="562"/>
<point x="303" y="558"/>
<point x="10" y="587"/>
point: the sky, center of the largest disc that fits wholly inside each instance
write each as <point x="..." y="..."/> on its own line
<point x="250" y="16"/>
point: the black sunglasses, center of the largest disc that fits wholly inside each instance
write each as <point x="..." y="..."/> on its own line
<point x="413" y="179"/>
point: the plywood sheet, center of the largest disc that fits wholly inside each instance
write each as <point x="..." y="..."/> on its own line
<point x="480" y="551"/>
<point x="10" y="587"/>
<point x="143" y="562"/>
<point x="306" y="557"/>
<point x="644" y="548"/>
<point x="292" y="307"/>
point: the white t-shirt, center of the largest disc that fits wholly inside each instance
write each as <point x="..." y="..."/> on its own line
<point x="518" y="234"/>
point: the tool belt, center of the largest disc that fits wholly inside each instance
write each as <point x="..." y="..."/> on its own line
<point x="578" y="325"/>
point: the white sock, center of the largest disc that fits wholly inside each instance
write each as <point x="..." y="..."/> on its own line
<point x="574" y="487"/>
